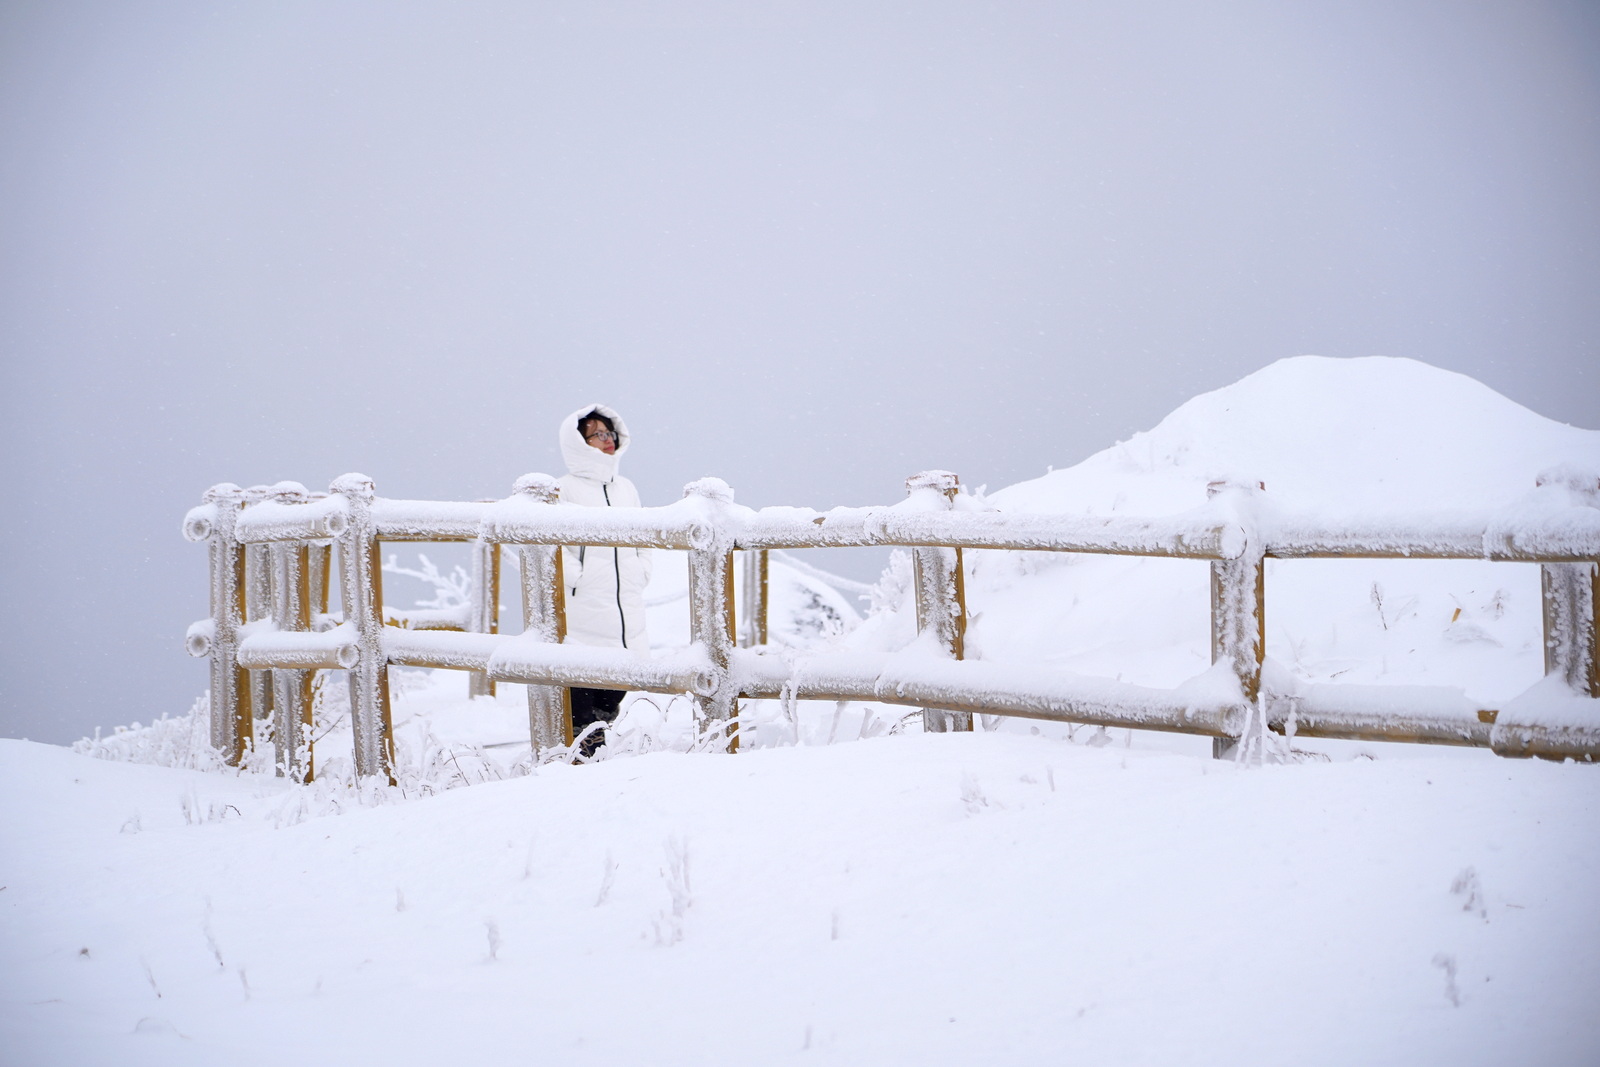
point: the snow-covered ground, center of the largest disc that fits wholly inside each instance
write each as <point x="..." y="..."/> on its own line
<point x="1024" y="894"/>
<point x="982" y="898"/>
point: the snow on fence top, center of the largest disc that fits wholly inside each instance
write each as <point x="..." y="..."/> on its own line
<point x="271" y="549"/>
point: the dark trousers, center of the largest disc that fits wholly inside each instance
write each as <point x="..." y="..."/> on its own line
<point x="594" y="705"/>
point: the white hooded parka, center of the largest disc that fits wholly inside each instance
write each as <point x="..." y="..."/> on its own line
<point x="604" y="586"/>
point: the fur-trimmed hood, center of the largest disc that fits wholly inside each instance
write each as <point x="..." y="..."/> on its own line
<point x="582" y="459"/>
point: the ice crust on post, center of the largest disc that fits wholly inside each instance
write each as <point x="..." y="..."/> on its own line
<point x="936" y="588"/>
<point x="711" y="599"/>
<point x="1570" y="592"/>
<point x="485" y="605"/>
<point x="230" y="708"/>
<point x="290" y="600"/>
<point x="1238" y="606"/>
<point x="361" y="583"/>
<point x="544" y="615"/>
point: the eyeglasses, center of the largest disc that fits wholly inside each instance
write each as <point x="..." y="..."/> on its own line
<point x="601" y="435"/>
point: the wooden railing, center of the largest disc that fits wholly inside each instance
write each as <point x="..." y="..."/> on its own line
<point x="269" y="630"/>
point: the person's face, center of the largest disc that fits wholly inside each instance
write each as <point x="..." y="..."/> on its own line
<point x="597" y="436"/>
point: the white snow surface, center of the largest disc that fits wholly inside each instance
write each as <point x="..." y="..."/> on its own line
<point x="926" y="899"/>
<point x="1029" y="893"/>
<point x="1349" y="435"/>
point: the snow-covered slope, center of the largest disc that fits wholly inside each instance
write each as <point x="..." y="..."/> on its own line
<point x="1373" y="434"/>
<point x="1340" y="437"/>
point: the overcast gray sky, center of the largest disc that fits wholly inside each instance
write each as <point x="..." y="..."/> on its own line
<point x="809" y="247"/>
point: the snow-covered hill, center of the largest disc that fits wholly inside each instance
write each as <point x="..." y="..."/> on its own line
<point x="1347" y="435"/>
<point x="1024" y="895"/>
<point x="1340" y="437"/>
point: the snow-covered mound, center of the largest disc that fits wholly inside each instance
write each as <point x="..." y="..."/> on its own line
<point x="1353" y="435"/>
<point x="1343" y="437"/>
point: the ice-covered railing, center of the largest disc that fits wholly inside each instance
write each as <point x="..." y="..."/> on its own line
<point x="270" y="628"/>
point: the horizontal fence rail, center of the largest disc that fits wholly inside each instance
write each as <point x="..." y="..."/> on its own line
<point x="271" y="548"/>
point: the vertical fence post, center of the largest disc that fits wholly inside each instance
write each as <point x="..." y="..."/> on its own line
<point x="321" y="559"/>
<point x="319" y="575"/>
<point x="746" y="592"/>
<point x="1571" y="595"/>
<point x="291" y="611"/>
<point x="258" y="605"/>
<point x="941" y="594"/>
<point x="361" y="586"/>
<point x="711" y="619"/>
<point x="485" y="607"/>
<point x="729" y="601"/>
<point x="230" y="684"/>
<point x="762" y="597"/>
<point x="544" y="618"/>
<point x="753" y="621"/>
<point x="1239" y="611"/>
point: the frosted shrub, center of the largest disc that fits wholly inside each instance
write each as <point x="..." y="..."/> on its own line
<point x="183" y="742"/>
<point x="893" y="588"/>
<point x="451" y="602"/>
<point x="452" y="590"/>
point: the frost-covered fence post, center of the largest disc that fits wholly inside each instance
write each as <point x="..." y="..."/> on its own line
<point x="485" y="606"/>
<point x="1571" y="593"/>
<point x="939" y="583"/>
<point x="230" y="699"/>
<point x="361" y="586"/>
<point x="753" y="628"/>
<point x="291" y="611"/>
<point x="763" y="603"/>
<point x="711" y="618"/>
<point x="258" y="605"/>
<point x="1572" y="623"/>
<point x="321" y="571"/>
<point x="1239" y="609"/>
<point x="544" y="618"/>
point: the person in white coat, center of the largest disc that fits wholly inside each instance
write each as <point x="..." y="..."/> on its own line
<point x="604" y="586"/>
